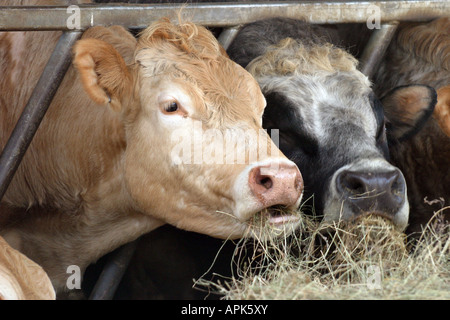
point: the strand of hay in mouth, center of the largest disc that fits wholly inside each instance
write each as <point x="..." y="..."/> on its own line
<point x="365" y="260"/>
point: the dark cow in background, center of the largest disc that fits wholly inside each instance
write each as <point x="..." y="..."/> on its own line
<point x="330" y="123"/>
<point x="420" y="53"/>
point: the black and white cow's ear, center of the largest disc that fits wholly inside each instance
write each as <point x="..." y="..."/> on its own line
<point x="407" y="109"/>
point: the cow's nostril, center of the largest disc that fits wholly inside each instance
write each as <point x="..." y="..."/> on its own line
<point x="266" y="182"/>
<point x="398" y="187"/>
<point x="350" y="184"/>
<point x="354" y="185"/>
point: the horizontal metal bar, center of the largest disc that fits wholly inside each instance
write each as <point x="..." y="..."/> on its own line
<point x="217" y="14"/>
<point x="35" y="109"/>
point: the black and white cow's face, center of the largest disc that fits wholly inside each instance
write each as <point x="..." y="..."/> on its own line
<point x="333" y="127"/>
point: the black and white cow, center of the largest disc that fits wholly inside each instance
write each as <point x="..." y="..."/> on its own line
<point x="329" y="120"/>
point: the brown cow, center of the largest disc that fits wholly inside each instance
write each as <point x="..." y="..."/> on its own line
<point x="107" y="166"/>
<point x="442" y="109"/>
<point x="21" y="278"/>
<point x="420" y="53"/>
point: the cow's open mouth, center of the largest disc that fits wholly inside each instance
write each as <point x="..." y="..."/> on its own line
<point x="279" y="215"/>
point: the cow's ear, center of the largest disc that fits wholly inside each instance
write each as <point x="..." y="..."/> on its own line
<point x="442" y="110"/>
<point x="407" y="109"/>
<point x="103" y="72"/>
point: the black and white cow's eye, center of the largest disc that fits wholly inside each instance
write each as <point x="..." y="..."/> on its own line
<point x="293" y="142"/>
<point x="171" y="107"/>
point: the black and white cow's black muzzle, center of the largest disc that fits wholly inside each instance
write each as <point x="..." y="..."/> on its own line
<point x="380" y="193"/>
<point x="369" y="186"/>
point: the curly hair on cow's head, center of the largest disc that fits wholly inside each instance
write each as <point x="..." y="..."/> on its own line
<point x="428" y="41"/>
<point x="187" y="37"/>
<point x="290" y="57"/>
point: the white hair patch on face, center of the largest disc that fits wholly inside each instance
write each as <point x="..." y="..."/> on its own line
<point x="314" y="119"/>
<point x="325" y="101"/>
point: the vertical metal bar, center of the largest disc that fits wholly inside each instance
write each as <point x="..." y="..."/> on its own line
<point x="376" y="47"/>
<point x="36" y="108"/>
<point x="227" y="36"/>
<point x="113" y="271"/>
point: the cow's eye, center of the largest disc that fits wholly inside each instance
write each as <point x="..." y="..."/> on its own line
<point x="171" y="107"/>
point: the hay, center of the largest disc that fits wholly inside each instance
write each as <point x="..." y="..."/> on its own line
<point x="365" y="260"/>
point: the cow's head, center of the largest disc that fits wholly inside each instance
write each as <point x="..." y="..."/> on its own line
<point x="191" y="118"/>
<point x="334" y="128"/>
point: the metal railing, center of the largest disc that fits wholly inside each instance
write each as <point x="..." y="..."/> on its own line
<point x="230" y="16"/>
<point x="219" y="14"/>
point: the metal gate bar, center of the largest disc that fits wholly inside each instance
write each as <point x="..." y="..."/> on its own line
<point x="227" y="36"/>
<point x="219" y="14"/>
<point x="113" y="271"/>
<point x="376" y="48"/>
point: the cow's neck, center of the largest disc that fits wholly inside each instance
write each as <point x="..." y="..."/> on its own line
<point x="56" y="240"/>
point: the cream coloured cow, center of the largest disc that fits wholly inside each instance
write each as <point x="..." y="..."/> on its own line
<point x="21" y="278"/>
<point x="102" y="169"/>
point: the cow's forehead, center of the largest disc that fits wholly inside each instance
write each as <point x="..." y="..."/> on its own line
<point x="221" y="92"/>
<point x="324" y="102"/>
<point x="228" y="92"/>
